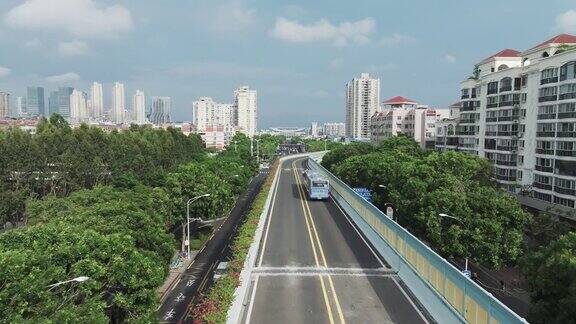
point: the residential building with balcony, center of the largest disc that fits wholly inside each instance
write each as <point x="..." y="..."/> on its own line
<point x="362" y="101"/>
<point x="519" y="111"/>
<point x="400" y="115"/>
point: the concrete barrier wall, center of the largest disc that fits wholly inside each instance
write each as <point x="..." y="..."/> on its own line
<point x="447" y="295"/>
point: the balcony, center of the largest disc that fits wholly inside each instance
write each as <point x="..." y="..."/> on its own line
<point x="505" y="148"/>
<point x="492" y="105"/>
<point x="505" y="177"/>
<point x="489" y="147"/>
<point x="440" y="142"/>
<point x="468" y="121"/>
<point x="549" y="80"/>
<point x="465" y="133"/>
<point x="546" y="116"/>
<point x="505" y="118"/>
<point x="492" y="91"/>
<point x="506" y="88"/>
<point x="548" y="98"/>
<point x="566" y="153"/>
<point x="566" y="134"/>
<point x="491" y="119"/>
<point x="546" y="134"/>
<point x="565" y="191"/>
<point x="544" y="186"/>
<point x="507" y="133"/>
<point x="566" y="96"/>
<point x="465" y="96"/>
<point x="467" y="107"/>
<point x="544" y="151"/>
<point x="542" y="168"/>
<point x="565" y="115"/>
<point x="473" y="95"/>
<point x="489" y="133"/>
<point x="507" y="163"/>
<point x="505" y="103"/>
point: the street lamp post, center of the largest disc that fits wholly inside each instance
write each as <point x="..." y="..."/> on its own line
<point x="77" y="279"/>
<point x="258" y="151"/>
<point x="461" y="222"/>
<point x="190" y="201"/>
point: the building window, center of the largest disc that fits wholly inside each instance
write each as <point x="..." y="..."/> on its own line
<point x="493" y="87"/>
<point x="549" y="75"/>
<point x="565" y="168"/>
<point x="567" y="71"/>
<point x="567" y="91"/>
<point x="548" y="94"/>
<point x="543" y="196"/>
<point x="564" y="201"/>
<point x="506" y="84"/>
<point x="524" y="80"/>
<point x="465" y="93"/>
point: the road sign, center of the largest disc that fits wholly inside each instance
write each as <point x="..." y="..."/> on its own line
<point x="390" y="212"/>
<point x="364" y="193"/>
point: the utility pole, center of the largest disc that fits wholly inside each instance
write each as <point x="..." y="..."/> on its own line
<point x="251" y="146"/>
<point x="258" y="151"/>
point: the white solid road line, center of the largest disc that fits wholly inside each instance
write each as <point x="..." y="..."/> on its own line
<point x="176" y="284"/>
<point x="252" y="298"/>
<point x="271" y="212"/>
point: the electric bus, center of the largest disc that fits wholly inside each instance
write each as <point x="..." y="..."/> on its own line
<point x="318" y="186"/>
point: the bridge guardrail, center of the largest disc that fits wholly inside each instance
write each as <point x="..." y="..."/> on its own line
<point x="447" y="295"/>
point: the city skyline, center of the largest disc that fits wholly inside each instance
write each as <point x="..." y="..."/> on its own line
<point x="305" y="53"/>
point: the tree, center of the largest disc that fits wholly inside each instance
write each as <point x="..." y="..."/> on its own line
<point x="551" y="274"/>
<point x="342" y="153"/>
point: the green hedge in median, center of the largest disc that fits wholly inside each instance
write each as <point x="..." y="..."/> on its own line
<point x="213" y="307"/>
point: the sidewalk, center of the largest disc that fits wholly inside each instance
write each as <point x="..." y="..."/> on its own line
<point x="177" y="268"/>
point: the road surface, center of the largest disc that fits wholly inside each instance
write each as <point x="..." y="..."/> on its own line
<point x="315" y="267"/>
<point x="175" y="307"/>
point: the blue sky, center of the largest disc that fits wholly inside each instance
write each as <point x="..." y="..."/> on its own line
<point x="297" y="54"/>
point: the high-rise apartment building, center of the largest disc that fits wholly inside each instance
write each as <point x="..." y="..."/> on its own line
<point x="518" y="109"/>
<point x="314" y="129"/>
<point x="160" y="112"/>
<point x="206" y="112"/>
<point x="334" y="130"/>
<point x="58" y="102"/>
<point x="139" y="107"/>
<point x="78" y="106"/>
<point x="401" y="115"/>
<point x="35" y="101"/>
<point x="96" y="101"/>
<point x="4" y="104"/>
<point x="118" y="104"/>
<point x="362" y="101"/>
<point x="246" y="110"/>
<point x="20" y="109"/>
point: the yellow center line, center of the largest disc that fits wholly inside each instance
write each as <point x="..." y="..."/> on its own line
<point x="308" y="214"/>
<point x="324" y="293"/>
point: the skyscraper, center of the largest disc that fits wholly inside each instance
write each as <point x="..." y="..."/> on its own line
<point x="4" y="104"/>
<point x="139" y="107"/>
<point x="78" y="106"/>
<point x="20" y="109"/>
<point x="58" y="102"/>
<point x="362" y="101"/>
<point x="96" y="101"/>
<point x="246" y="110"/>
<point x="160" y="113"/>
<point x="35" y="101"/>
<point x="118" y="105"/>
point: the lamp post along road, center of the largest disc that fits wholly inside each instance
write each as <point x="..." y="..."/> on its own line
<point x="77" y="279"/>
<point x="190" y="201"/>
<point x="461" y="222"/>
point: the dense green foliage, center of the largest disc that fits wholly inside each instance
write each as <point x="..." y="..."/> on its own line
<point x="420" y="185"/>
<point x="551" y="273"/>
<point x="103" y="206"/>
<point x="316" y="145"/>
<point x="58" y="160"/>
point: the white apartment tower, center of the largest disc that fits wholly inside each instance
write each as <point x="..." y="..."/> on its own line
<point x="4" y="104"/>
<point x="96" y="101"/>
<point x="206" y="112"/>
<point x="518" y="109"/>
<point x="362" y="101"/>
<point x="78" y="107"/>
<point x="246" y="110"/>
<point x="118" y="104"/>
<point x="139" y="107"/>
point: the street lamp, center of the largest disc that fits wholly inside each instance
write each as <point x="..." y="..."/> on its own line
<point x="190" y="201"/>
<point x="77" y="279"/>
<point x="461" y="222"/>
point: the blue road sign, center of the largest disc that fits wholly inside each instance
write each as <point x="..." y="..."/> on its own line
<point x="364" y="193"/>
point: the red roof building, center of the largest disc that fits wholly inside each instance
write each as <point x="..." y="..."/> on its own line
<point x="399" y="100"/>
<point x="559" y="39"/>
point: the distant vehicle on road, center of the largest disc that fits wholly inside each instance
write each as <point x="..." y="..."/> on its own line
<point x="318" y="186"/>
<point x="220" y="270"/>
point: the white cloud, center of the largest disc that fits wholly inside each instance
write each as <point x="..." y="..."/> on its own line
<point x="4" y="71"/>
<point x="324" y="31"/>
<point x="33" y="43"/>
<point x="230" y="16"/>
<point x="566" y="21"/>
<point x="63" y="78"/>
<point x="74" y="48"/>
<point x="81" y="18"/>
<point x="449" y="58"/>
<point x="397" y="39"/>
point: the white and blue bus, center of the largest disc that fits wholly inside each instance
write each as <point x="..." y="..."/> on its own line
<point x="318" y="186"/>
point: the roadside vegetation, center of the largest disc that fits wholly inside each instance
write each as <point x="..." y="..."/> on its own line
<point x="490" y="223"/>
<point x="103" y="205"/>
